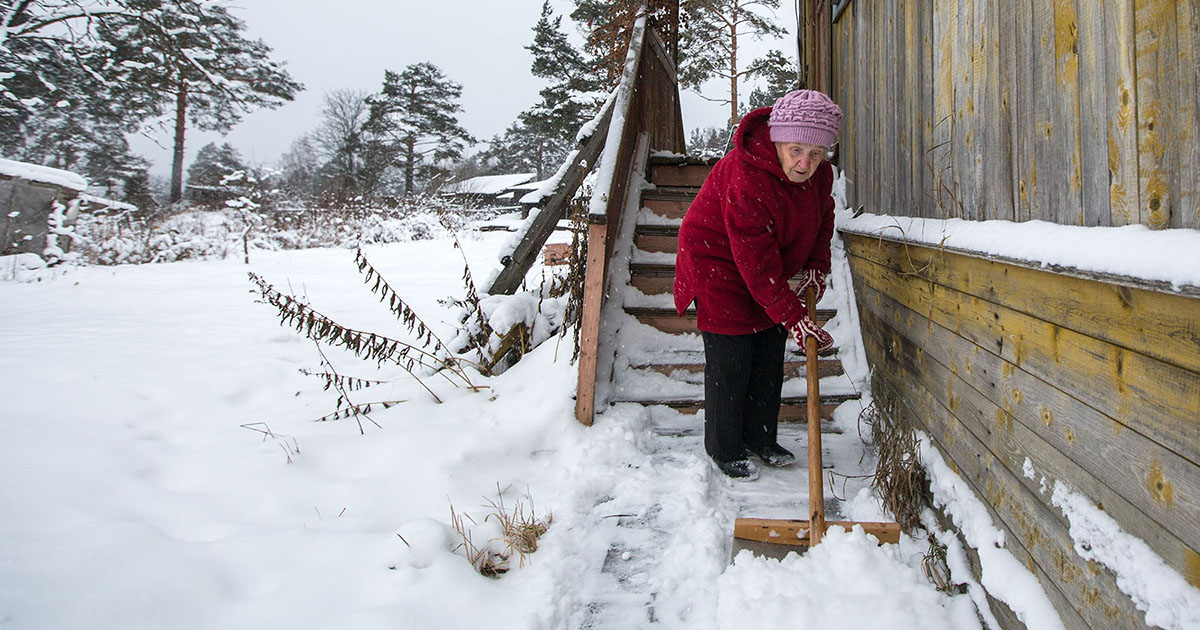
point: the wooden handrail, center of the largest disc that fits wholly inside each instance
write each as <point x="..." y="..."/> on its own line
<point x="646" y="114"/>
<point x="515" y="264"/>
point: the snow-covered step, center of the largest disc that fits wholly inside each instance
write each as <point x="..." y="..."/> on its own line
<point x="791" y="408"/>
<point x="691" y="364"/>
<point x="668" y="321"/>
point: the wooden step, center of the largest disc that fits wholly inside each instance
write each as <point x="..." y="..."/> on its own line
<point x="793" y="367"/>
<point x="668" y="321"/>
<point x="791" y="408"/>
<point x="681" y="175"/>
<point x="667" y="205"/>
<point x="656" y="238"/>
<point x="657" y="278"/>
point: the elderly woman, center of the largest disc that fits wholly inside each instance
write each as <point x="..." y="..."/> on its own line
<point x="763" y="215"/>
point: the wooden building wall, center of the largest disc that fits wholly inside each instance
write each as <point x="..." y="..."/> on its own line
<point x="1096" y="382"/>
<point x="1079" y="112"/>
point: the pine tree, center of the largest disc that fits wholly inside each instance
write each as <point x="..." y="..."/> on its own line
<point x="57" y="106"/>
<point x="213" y="164"/>
<point x="413" y="118"/>
<point x="606" y="26"/>
<point x="192" y="55"/>
<point x="710" y="34"/>
<point x="517" y="150"/>
<point x="781" y="76"/>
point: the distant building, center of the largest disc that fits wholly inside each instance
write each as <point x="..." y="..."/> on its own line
<point x="38" y="205"/>
<point x="488" y="190"/>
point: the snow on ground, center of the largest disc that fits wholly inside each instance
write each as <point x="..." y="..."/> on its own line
<point x="136" y="498"/>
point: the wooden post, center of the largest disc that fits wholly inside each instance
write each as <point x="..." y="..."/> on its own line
<point x="816" y="481"/>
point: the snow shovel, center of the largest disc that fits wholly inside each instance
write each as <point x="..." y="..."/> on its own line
<point x="776" y="537"/>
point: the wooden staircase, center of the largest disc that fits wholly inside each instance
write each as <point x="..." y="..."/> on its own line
<point x="660" y="355"/>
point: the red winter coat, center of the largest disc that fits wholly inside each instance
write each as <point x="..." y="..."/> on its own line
<point x="747" y="232"/>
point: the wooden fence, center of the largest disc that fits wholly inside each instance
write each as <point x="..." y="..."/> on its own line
<point x="1093" y="383"/>
<point x="1078" y="112"/>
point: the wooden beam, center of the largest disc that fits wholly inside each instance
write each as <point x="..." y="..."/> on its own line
<point x="589" y="332"/>
<point x="795" y="532"/>
<point x="1162" y="325"/>
<point x="587" y="150"/>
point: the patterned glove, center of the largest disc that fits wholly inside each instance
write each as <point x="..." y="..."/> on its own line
<point x="811" y="278"/>
<point x="806" y="327"/>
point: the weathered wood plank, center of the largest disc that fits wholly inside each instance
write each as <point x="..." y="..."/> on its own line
<point x="941" y="154"/>
<point x="963" y="146"/>
<point x="1023" y="127"/>
<point x="1034" y="532"/>
<point x="1155" y="48"/>
<point x="1007" y="184"/>
<point x="589" y="331"/>
<point x="1188" y="112"/>
<point x="1162" y="325"/>
<point x="1120" y="90"/>
<point x="1068" y="125"/>
<point x="588" y="150"/>
<point x="1019" y="415"/>
<point x="1157" y="399"/>
<point x="1092" y="44"/>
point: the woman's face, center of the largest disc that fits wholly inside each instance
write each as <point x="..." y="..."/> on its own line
<point x="799" y="160"/>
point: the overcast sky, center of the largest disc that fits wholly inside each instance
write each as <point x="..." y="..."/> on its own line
<point x="348" y="44"/>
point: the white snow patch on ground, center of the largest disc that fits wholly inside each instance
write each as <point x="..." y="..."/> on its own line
<point x="873" y="589"/>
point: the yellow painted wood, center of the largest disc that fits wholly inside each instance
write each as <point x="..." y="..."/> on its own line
<point x="1034" y="535"/>
<point x="1160" y="400"/>
<point x="1151" y="492"/>
<point x="1162" y="325"/>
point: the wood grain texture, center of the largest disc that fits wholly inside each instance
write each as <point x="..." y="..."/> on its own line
<point x="1085" y="595"/>
<point x="1155" y="398"/>
<point x="1120" y="90"/>
<point x="1019" y="416"/>
<point x="1161" y="325"/>
<point x="1154" y="39"/>
<point x="1077" y="112"/>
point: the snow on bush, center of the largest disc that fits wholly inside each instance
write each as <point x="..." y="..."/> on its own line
<point x="212" y="234"/>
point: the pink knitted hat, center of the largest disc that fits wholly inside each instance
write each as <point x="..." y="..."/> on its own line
<point x="806" y="116"/>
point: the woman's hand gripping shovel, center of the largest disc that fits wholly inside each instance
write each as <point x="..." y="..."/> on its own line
<point x="776" y="537"/>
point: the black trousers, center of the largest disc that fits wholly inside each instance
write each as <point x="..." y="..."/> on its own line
<point x="743" y="378"/>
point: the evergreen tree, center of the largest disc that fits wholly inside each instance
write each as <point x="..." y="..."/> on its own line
<point x="78" y="74"/>
<point x="606" y="26"/>
<point x="192" y="55"/>
<point x="413" y="119"/>
<point x="710" y="34"/>
<point x="57" y="109"/>
<point x="780" y="73"/>
<point x="213" y="164"/>
<point x="517" y="150"/>
<point x="543" y="134"/>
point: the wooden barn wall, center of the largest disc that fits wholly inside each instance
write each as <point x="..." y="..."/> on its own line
<point x="1093" y="382"/>
<point x="1079" y="112"/>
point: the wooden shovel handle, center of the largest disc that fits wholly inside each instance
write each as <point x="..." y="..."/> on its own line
<point x="816" y="482"/>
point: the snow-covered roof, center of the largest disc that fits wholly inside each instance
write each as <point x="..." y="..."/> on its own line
<point x="487" y="184"/>
<point x="42" y="174"/>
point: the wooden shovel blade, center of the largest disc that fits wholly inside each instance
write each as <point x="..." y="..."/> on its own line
<point x="795" y="532"/>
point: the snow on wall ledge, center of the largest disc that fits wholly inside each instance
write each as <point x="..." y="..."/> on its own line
<point x="1004" y="577"/>
<point x="1134" y="252"/>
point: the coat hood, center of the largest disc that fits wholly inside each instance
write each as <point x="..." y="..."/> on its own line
<point x="752" y="142"/>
